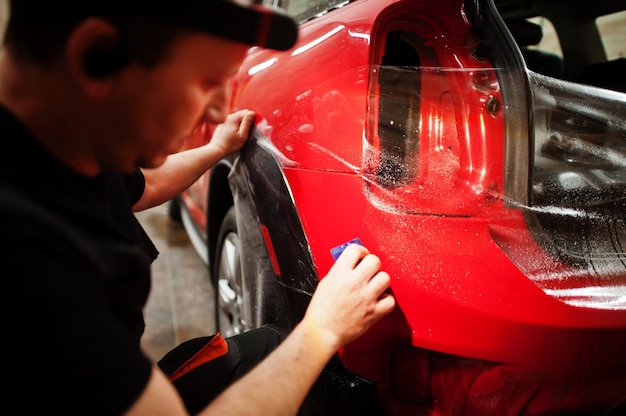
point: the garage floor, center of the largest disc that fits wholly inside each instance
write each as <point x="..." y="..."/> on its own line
<point x="180" y="305"/>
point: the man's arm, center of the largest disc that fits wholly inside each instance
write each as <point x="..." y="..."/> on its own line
<point x="346" y="303"/>
<point x="182" y="169"/>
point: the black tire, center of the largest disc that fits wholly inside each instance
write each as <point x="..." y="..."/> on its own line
<point x="173" y="210"/>
<point x="250" y="274"/>
<point x="227" y="279"/>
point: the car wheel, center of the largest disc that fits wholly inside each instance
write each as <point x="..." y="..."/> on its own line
<point x="227" y="278"/>
<point x="173" y="210"/>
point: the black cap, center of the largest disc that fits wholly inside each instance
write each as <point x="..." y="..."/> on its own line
<point x="242" y="21"/>
<point x="251" y="24"/>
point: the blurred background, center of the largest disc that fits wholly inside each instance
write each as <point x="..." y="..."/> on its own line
<point x="180" y="306"/>
<point x="4" y="14"/>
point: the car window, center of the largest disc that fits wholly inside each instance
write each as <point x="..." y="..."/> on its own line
<point x="549" y="42"/>
<point x="588" y="50"/>
<point x="303" y="10"/>
<point x="612" y="29"/>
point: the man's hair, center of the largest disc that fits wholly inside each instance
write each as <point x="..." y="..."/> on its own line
<point x="39" y="34"/>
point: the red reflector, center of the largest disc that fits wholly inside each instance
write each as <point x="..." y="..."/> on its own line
<point x="270" y="249"/>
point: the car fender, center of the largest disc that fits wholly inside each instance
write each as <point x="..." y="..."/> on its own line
<point x="262" y="197"/>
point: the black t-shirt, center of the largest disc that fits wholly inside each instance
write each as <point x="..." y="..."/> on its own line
<point x="75" y="267"/>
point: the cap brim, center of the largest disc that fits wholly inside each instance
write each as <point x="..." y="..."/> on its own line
<point x="253" y="25"/>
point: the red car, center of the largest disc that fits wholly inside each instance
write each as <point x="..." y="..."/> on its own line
<point x="488" y="175"/>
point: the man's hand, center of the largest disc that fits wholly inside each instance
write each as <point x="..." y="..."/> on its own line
<point x="351" y="298"/>
<point x="231" y="135"/>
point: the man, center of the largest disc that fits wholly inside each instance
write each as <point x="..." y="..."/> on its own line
<point x="94" y="98"/>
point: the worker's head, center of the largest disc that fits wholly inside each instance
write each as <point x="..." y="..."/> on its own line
<point x="132" y="77"/>
<point x="38" y="29"/>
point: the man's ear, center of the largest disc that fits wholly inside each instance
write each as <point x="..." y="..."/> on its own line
<point x="94" y="54"/>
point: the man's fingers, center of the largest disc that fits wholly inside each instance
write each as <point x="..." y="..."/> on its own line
<point x="351" y="256"/>
<point x="369" y="264"/>
<point x="385" y="304"/>
<point x="380" y="282"/>
<point x="247" y="119"/>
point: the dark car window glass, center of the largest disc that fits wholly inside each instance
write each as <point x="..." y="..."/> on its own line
<point x="303" y="10"/>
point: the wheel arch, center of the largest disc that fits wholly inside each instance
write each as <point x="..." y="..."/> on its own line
<point x="261" y="192"/>
<point x="220" y="199"/>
